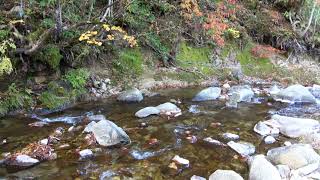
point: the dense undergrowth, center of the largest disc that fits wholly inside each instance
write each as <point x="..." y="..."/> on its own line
<point x="58" y="39"/>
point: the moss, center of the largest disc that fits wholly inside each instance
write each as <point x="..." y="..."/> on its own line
<point x="52" y="101"/>
<point x="14" y="99"/>
<point x="129" y="64"/>
<point x="252" y="66"/>
<point x="77" y="78"/>
<point x="51" y="56"/>
<point x="196" y="59"/>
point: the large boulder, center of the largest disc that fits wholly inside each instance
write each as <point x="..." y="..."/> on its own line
<point x="207" y="94"/>
<point x="295" y="93"/>
<point x="243" y="148"/>
<point x="293" y="127"/>
<point x="262" y="169"/>
<point x="107" y="133"/>
<point x="225" y="175"/>
<point x="147" y="111"/>
<point x="132" y="95"/>
<point x="245" y="93"/>
<point x="295" y="156"/>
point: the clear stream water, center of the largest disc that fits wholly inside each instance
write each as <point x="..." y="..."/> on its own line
<point x="140" y="160"/>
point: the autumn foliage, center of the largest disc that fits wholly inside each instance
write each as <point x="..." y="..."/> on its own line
<point x="264" y="51"/>
<point x="217" y="22"/>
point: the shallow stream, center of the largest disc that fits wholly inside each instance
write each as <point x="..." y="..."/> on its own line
<point x="143" y="159"/>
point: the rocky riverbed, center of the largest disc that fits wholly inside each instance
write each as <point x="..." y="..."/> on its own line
<point x="257" y="132"/>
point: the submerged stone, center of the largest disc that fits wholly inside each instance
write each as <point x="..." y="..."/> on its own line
<point x="107" y="133"/>
<point x="263" y="129"/>
<point x="207" y="94"/>
<point x="230" y="136"/>
<point x="243" y="148"/>
<point x="245" y="93"/>
<point x="132" y="95"/>
<point x="86" y="153"/>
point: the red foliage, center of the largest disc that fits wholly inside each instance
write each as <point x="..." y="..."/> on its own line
<point x="264" y="51"/>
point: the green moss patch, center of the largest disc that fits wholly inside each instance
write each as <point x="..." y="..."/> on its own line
<point x="129" y="64"/>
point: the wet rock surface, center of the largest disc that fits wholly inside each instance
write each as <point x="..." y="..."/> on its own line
<point x="107" y="133"/>
<point x="132" y="95"/>
<point x="262" y="169"/>
<point x="225" y="175"/>
<point x="295" y="93"/>
<point x="207" y="94"/>
<point x="295" y="156"/>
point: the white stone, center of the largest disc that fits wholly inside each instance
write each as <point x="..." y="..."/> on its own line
<point x="180" y="160"/>
<point x="85" y="153"/>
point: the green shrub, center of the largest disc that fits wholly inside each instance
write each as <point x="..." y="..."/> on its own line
<point x="4" y="33"/>
<point x="139" y="14"/>
<point x="77" y="78"/>
<point x="47" y="23"/>
<point x="50" y="55"/>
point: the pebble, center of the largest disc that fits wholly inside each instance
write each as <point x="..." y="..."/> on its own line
<point x="269" y="140"/>
<point x="86" y="153"/>
<point x="44" y="141"/>
<point x="230" y="136"/>
<point x="195" y="177"/>
<point x="180" y="160"/>
<point x="287" y="143"/>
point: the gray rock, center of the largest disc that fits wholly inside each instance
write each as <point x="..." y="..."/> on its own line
<point x="23" y="161"/>
<point x="311" y="138"/>
<point x="96" y="117"/>
<point x="133" y="95"/>
<point x="230" y="136"/>
<point x="86" y="153"/>
<point x="295" y="156"/>
<point x="293" y="127"/>
<point x="225" y="175"/>
<point x="243" y="148"/>
<point x="233" y="100"/>
<point x="107" y="133"/>
<point x="262" y="169"/>
<point x="207" y="94"/>
<point x="213" y="141"/>
<point x="274" y="90"/>
<point x="315" y="90"/>
<point x="284" y="171"/>
<point x="194" y="177"/>
<point x="245" y="93"/>
<point x="194" y="109"/>
<point x="269" y="140"/>
<point x="89" y="127"/>
<point x="147" y="111"/>
<point x="264" y="130"/>
<point x="295" y="93"/>
<point x="168" y="108"/>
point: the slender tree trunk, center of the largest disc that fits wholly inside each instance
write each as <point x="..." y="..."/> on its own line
<point x="310" y="19"/>
<point x="58" y="20"/>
